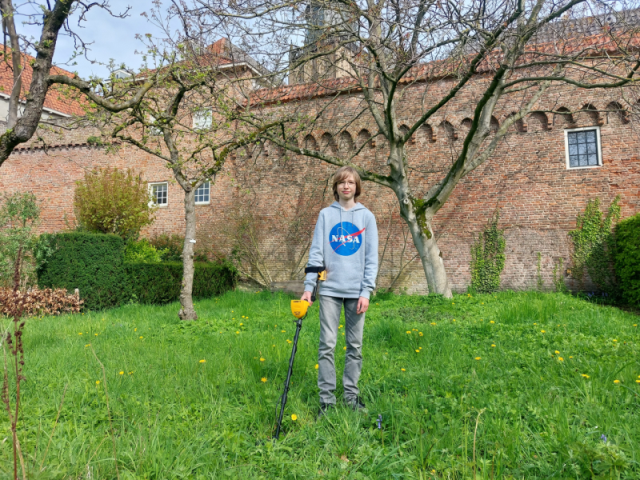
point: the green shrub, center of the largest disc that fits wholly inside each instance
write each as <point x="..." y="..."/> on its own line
<point x="594" y="246"/>
<point x="627" y="258"/>
<point x="19" y="216"/>
<point x="113" y="201"/>
<point x="159" y="283"/>
<point x="142" y="251"/>
<point x="487" y="258"/>
<point x="172" y="245"/>
<point x="92" y="263"/>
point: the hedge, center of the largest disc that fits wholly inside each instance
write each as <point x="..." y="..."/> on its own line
<point x="159" y="283"/>
<point x="90" y="262"/>
<point x="627" y="258"/>
<point x="94" y="264"/>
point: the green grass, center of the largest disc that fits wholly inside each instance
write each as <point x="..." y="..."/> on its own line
<point x="177" y="417"/>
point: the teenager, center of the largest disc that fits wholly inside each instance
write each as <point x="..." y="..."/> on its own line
<point x="345" y="242"/>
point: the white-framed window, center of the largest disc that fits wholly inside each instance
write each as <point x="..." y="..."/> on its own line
<point x="159" y="194"/>
<point x="582" y="147"/>
<point x="203" y="194"/>
<point x="202" y="119"/>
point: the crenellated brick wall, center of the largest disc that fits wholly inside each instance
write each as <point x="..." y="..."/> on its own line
<point x="526" y="178"/>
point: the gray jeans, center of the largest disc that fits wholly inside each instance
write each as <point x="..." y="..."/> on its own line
<point x="330" y="308"/>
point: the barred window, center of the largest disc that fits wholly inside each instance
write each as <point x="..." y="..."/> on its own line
<point x="583" y="147"/>
<point x="159" y="193"/>
<point x="202" y="194"/>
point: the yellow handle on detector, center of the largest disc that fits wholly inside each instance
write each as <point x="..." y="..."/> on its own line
<point x="299" y="308"/>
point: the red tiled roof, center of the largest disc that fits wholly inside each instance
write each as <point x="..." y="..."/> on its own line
<point x="60" y="99"/>
<point x="591" y="46"/>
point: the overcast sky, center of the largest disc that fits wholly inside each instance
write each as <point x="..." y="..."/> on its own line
<point x="112" y="38"/>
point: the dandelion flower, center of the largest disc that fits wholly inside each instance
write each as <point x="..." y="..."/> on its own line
<point x="237" y="332"/>
<point x="403" y="370"/>
<point x="454" y="319"/>
<point x="261" y="359"/>
<point x="616" y="381"/>
<point x="130" y="373"/>
<point x="135" y="329"/>
<point x="584" y="375"/>
<point x="97" y="382"/>
<point x="635" y="324"/>
<point x="417" y="351"/>
<point x="263" y="379"/>
<point x="121" y="373"/>
<point x="482" y="303"/>
<point x="570" y="357"/>
<point x="80" y="333"/>
<point x="637" y="381"/>
<point x="535" y="323"/>
<point x="492" y="321"/>
<point x="273" y="346"/>
<point x="478" y="358"/>
<point x="433" y="323"/>
<point x="317" y="366"/>
<point x="493" y="344"/>
<point x="542" y="331"/>
<point x="408" y="332"/>
<point x="87" y="345"/>
<point x="615" y="340"/>
<point x="421" y="334"/>
<point x="96" y="334"/>
<point x="560" y="359"/>
<point x="241" y="324"/>
<point x="344" y="348"/>
<point x="294" y="417"/>
<point x="420" y="348"/>
<point x="141" y="338"/>
<point x="557" y="352"/>
<point x="202" y="361"/>
<point x="283" y="331"/>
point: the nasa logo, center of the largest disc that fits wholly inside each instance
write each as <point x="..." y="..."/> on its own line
<point x="345" y="238"/>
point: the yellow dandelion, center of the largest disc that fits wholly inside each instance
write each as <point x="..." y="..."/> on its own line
<point x="433" y="323"/>
<point x="141" y="338"/>
<point x="616" y="381"/>
<point x="421" y="334"/>
<point x="273" y="346"/>
<point x="96" y="334"/>
<point x="570" y="357"/>
<point x="557" y="352"/>
<point x="241" y="324"/>
<point x="283" y="331"/>
<point x="408" y="332"/>
<point x="454" y="319"/>
<point x="79" y="333"/>
<point x="478" y="358"/>
<point x="261" y="359"/>
<point x="560" y="359"/>
<point x="130" y="373"/>
<point x="87" y="345"/>
<point x="542" y="331"/>
<point x="344" y="348"/>
<point x="202" y="361"/>
<point x="535" y="323"/>
<point x="635" y="324"/>
<point x="403" y="370"/>
<point x="452" y="303"/>
<point x="417" y="351"/>
<point x="294" y="417"/>
<point x="237" y="332"/>
<point x="615" y="340"/>
<point x="97" y="382"/>
<point x="493" y="344"/>
<point x="121" y="373"/>
<point x="135" y="329"/>
<point x="637" y="381"/>
<point x="492" y="321"/>
<point x="317" y="366"/>
<point x="263" y="379"/>
<point x="584" y="375"/>
<point x="482" y="303"/>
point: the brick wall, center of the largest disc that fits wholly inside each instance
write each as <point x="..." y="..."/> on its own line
<point x="526" y="178"/>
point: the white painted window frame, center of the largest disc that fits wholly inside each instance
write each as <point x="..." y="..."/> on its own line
<point x="200" y="115"/>
<point x="153" y="203"/>
<point x="566" y="147"/>
<point x="208" y="201"/>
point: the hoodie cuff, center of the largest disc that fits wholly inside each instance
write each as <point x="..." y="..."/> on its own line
<point x="308" y="288"/>
<point x="365" y="294"/>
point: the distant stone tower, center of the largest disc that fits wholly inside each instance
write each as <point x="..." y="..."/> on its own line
<point x="328" y="34"/>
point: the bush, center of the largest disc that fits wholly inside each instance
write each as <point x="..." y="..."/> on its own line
<point x="159" y="283"/>
<point x="172" y="245"/>
<point x="18" y="218"/>
<point x="93" y="263"/>
<point x="142" y="251"/>
<point x="40" y="302"/>
<point x="113" y="201"/>
<point x="594" y="246"/>
<point x="487" y="258"/>
<point x="627" y="258"/>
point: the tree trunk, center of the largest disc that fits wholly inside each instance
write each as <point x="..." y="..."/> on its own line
<point x="187" y="312"/>
<point x="425" y="242"/>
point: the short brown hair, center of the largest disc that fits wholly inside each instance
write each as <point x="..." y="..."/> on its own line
<point x="340" y="175"/>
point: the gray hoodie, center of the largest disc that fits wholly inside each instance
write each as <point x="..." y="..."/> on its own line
<point x="346" y="243"/>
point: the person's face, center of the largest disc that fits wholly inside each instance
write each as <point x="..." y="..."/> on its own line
<point x="347" y="188"/>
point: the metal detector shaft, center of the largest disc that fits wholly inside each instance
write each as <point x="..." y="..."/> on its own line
<point x="288" y="380"/>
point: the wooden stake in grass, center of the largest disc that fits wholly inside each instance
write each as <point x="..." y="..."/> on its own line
<point x="475" y="432"/>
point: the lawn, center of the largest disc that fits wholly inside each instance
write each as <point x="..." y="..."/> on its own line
<point x="531" y="385"/>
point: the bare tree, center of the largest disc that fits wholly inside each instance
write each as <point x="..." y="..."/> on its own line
<point x="26" y="104"/>
<point x="193" y="117"/>
<point x="423" y="56"/>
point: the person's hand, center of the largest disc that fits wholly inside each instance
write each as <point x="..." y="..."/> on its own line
<point x="363" y="305"/>
<point x="307" y="296"/>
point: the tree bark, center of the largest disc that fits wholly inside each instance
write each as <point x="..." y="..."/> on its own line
<point x="187" y="312"/>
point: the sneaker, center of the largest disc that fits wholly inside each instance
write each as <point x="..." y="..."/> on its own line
<point x="324" y="407"/>
<point x="356" y="404"/>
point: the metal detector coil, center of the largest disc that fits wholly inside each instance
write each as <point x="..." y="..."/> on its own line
<point x="299" y="308"/>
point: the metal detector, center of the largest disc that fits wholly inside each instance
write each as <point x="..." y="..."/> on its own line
<point x="299" y="309"/>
